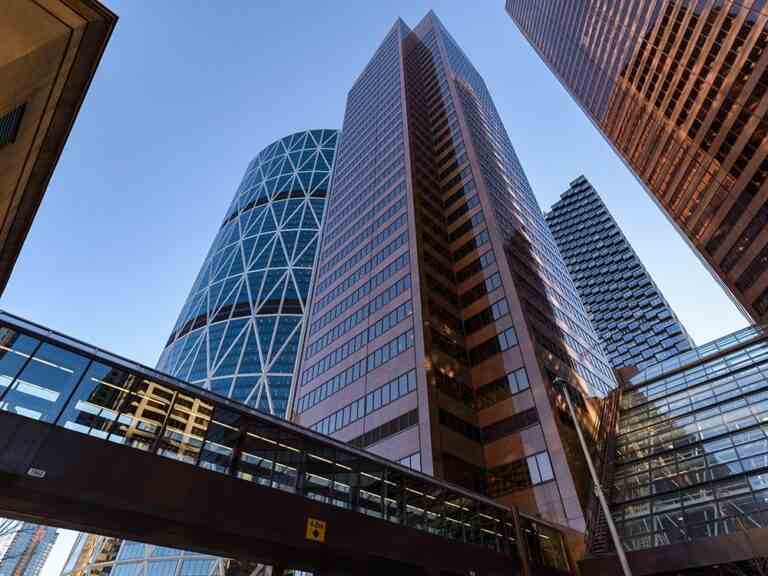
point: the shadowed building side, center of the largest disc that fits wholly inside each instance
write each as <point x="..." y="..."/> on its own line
<point x="49" y="52"/>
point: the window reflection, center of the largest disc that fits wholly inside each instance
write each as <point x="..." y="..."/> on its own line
<point x="44" y="384"/>
<point x="96" y="404"/>
<point x="15" y="350"/>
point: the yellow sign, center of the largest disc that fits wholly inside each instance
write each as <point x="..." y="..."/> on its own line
<point x="315" y="530"/>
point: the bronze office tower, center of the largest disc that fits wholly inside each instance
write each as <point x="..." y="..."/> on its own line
<point x="678" y="89"/>
<point x="441" y="307"/>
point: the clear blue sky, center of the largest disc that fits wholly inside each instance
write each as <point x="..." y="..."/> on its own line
<point x="188" y="92"/>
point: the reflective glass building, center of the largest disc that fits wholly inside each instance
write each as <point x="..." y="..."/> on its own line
<point x="441" y="306"/>
<point x="679" y="89"/>
<point x="94" y="555"/>
<point x="238" y="332"/>
<point x="689" y="472"/>
<point x="635" y="323"/>
<point x="25" y="548"/>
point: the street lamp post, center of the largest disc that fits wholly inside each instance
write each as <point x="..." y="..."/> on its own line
<point x="562" y="384"/>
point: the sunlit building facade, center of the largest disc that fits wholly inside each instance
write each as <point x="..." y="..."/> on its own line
<point x="679" y="90"/>
<point x="441" y="306"/>
<point x="635" y="323"/>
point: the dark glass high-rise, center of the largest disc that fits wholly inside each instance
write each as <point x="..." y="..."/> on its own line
<point x="635" y="323"/>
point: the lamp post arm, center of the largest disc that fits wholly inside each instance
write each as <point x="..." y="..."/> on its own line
<point x="563" y="385"/>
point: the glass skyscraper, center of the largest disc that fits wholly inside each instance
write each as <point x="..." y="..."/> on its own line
<point x="679" y="90"/>
<point x="635" y="323"/>
<point x="24" y="548"/>
<point x="688" y="475"/>
<point x="442" y="308"/>
<point x="238" y="332"/>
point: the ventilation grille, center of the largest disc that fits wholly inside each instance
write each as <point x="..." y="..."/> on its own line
<point x="9" y="125"/>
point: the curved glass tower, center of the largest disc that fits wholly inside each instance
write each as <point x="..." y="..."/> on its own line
<point x="238" y="332"/>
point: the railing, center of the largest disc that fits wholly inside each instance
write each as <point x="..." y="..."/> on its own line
<point x="56" y="379"/>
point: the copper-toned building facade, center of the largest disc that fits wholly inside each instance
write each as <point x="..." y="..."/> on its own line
<point x="678" y="88"/>
<point x="441" y="307"/>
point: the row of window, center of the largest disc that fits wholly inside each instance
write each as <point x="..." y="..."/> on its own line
<point x="396" y="193"/>
<point x="518" y="475"/>
<point x="357" y="342"/>
<point x="359" y="238"/>
<point x="386" y="430"/>
<point x="715" y="392"/>
<point x="361" y="204"/>
<point x="476" y="220"/>
<point x="502" y="341"/>
<point x="361" y="314"/>
<point x="473" y="268"/>
<point x="481" y="319"/>
<point x="479" y="290"/>
<point x="471" y="244"/>
<point x="372" y="401"/>
<point x="493" y="432"/>
<point x="363" y="270"/>
<point x="359" y="369"/>
<point x="363" y="291"/>
<point x="501" y="389"/>
<point x="367" y="248"/>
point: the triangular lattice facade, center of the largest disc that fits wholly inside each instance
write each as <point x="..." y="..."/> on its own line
<point x="238" y="332"/>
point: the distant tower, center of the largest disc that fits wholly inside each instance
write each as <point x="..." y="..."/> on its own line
<point x="635" y="323"/>
<point x="24" y="548"/>
<point x="238" y="332"/>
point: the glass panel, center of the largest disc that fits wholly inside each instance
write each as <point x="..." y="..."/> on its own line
<point x="15" y="349"/>
<point x="160" y="551"/>
<point x="456" y="514"/>
<point x="424" y="504"/>
<point x="345" y="480"/>
<point x="223" y="434"/>
<point x="488" y="527"/>
<point x="131" y="569"/>
<point x="394" y="502"/>
<point x="288" y="459"/>
<point x="196" y="567"/>
<point x="318" y="473"/>
<point x="545" y="545"/>
<point x="139" y="424"/>
<point x="257" y="459"/>
<point x="44" y="384"/>
<point x="97" y="401"/>
<point x="185" y="428"/>
<point x="371" y="489"/>
<point x="161" y="568"/>
<point x="131" y="551"/>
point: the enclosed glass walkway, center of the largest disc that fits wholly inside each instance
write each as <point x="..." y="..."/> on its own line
<point x="52" y="378"/>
